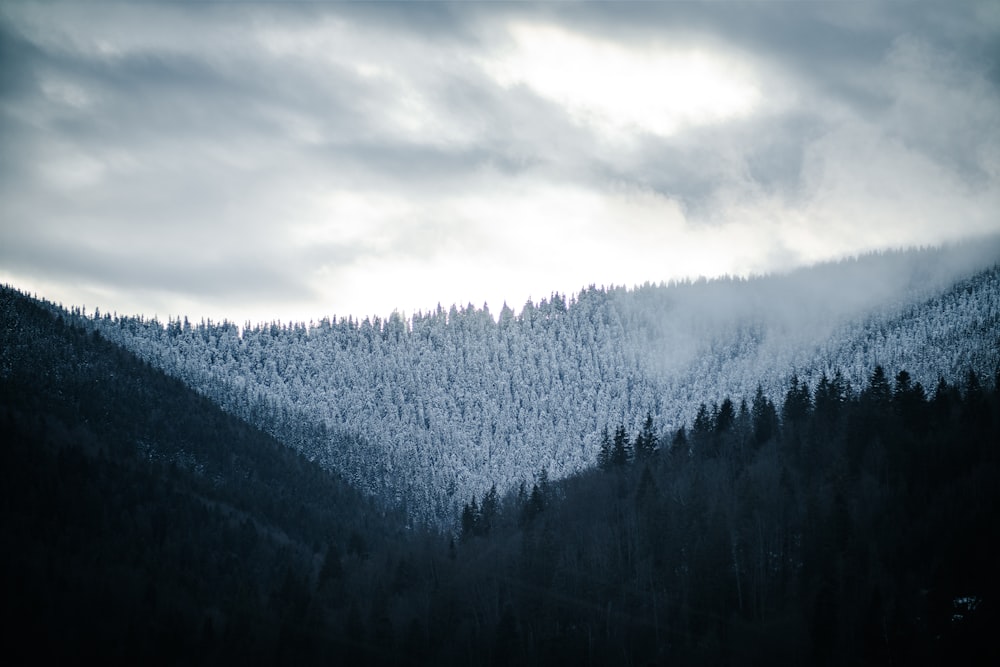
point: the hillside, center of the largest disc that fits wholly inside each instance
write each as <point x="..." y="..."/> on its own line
<point x="427" y="411"/>
<point x="845" y="526"/>
<point x="836" y="526"/>
<point x="143" y="525"/>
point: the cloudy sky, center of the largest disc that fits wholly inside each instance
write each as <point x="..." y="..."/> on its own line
<point x="262" y="160"/>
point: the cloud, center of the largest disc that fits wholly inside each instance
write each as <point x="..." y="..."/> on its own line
<point x="618" y="89"/>
<point x="294" y="161"/>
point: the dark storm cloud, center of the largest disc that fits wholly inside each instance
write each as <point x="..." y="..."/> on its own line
<point x="15" y="51"/>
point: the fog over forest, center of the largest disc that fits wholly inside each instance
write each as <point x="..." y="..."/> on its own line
<point x="254" y="161"/>
<point x="500" y="333"/>
<point x="827" y="522"/>
<point x="429" y="410"/>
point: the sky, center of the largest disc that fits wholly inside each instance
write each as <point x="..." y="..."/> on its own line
<point x="259" y="161"/>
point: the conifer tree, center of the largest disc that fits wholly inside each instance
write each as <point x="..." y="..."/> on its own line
<point x="488" y="511"/>
<point x="621" y="449"/>
<point x="877" y="394"/>
<point x="470" y="519"/>
<point x="798" y="402"/>
<point x="645" y="442"/>
<point x="680" y="441"/>
<point x="725" y="417"/>
<point x="604" y="455"/>
<point x="764" y="416"/>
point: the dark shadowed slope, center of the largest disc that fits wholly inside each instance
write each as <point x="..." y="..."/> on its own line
<point x="143" y="525"/>
<point x="831" y="526"/>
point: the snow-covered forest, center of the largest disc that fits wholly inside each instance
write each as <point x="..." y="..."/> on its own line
<point x="833" y="526"/>
<point x="427" y="410"/>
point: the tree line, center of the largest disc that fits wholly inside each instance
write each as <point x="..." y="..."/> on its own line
<point x="437" y="406"/>
<point x="828" y="525"/>
<point x="840" y="525"/>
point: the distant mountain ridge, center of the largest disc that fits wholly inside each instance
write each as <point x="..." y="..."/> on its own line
<point x="426" y="412"/>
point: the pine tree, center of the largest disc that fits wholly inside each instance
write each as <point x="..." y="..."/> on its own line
<point x="621" y="449"/>
<point x="798" y="402"/>
<point x="702" y="422"/>
<point x="470" y="519"/>
<point x="679" y="448"/>
<point x="533" y="506"/>
<point x="645" y="442"/>
<point x="725" y="417"/>
<point x="877" y="394"/>
<point x="764" y="417"/>
<point x="604" y="456"/>
<point x="488" y="511"/>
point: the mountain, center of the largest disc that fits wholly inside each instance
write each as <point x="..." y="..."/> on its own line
<point x="852" y="526"/>
<point x="143" y="525"/>
<point x="853" y="523"/>
<point x="428" y="411"/>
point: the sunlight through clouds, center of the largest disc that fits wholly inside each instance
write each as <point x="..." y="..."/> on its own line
<point x="619" y="89"/>
<point x="294" y="159"/>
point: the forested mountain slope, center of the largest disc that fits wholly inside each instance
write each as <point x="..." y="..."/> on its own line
<point x="933" y="333"/>
<point x="836" y="527"/>
<point x="144" y="525"/>
<point x="429" y="410"/>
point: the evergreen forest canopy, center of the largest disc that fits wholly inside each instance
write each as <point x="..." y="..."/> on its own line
<point x="850" y="522"/>
<point x="428" y="411"/>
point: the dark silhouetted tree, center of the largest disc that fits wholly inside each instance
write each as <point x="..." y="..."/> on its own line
<point x="621" y="448"/>
<point x="646" y="442"/>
